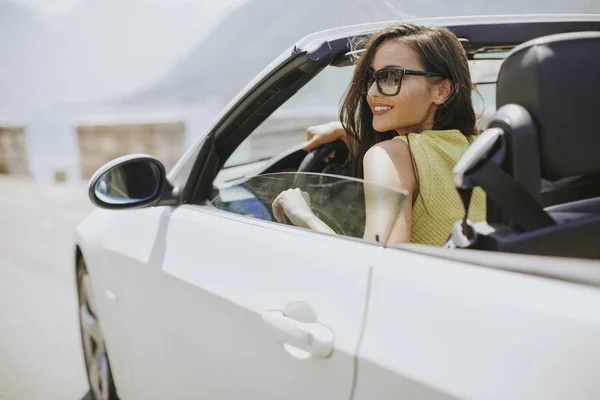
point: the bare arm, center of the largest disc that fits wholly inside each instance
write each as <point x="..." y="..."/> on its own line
<point x="319" y="135"/>
<point x="388" y="164"/>
<point x="388" y="218"/>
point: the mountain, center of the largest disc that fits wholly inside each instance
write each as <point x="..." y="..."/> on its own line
<point x="97" y="50"/>
<point x="101" y="52"/>
<point x="257" y="32"/>
<point x="246" y="41"/>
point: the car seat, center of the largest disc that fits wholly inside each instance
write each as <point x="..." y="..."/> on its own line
<point x="545" y="129"/>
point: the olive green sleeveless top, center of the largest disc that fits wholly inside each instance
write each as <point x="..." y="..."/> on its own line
<point x="438" y="205"/>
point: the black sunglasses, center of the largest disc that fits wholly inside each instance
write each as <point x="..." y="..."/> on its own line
<point x="389" y="79"/>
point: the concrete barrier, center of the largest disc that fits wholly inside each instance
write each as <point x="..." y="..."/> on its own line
<point x="13" y="150"/>
<point x="102" y="141"/>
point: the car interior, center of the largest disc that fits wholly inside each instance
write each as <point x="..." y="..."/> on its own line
<point x="542" y="138"/>
<point x="544" y="129"/>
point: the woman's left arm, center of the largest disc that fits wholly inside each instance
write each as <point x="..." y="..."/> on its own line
<point x="388" y="217"/>
<point x="388" y="164"/>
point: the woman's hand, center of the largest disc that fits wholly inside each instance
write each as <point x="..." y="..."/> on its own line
<point x="293" y="207"/>
<point x="319" y="135"/>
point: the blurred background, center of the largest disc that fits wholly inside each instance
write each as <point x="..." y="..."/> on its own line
<point x="71" y="70"/>
<point x="85" y="81"/>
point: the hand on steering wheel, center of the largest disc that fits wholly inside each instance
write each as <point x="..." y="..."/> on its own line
<point x="328" y="158"/>
<point x="319" y="135"/>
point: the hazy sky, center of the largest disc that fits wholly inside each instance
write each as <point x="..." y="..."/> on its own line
<point x="50" y="8"/>
<point x="86" y="50"/>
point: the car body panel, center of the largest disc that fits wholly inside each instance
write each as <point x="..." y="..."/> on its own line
<point x="193" y="302"/>
<point x="462" y="331"/>
<point x="101" y="237"/>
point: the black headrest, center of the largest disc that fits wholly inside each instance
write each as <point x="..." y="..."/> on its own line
<point x="557" y="79"/>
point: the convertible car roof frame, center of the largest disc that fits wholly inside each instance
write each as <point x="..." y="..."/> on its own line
<point x="478" y="34"/>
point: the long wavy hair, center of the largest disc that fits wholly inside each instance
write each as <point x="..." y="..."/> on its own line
<point x="440" y="51"/>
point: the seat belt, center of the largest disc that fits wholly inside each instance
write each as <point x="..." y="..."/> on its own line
<point x="508" y="196"/>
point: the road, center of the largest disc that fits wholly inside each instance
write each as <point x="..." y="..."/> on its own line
<point x="40" y="355"/>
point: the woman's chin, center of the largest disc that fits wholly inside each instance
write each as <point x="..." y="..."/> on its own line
<point x="380" y="126"/>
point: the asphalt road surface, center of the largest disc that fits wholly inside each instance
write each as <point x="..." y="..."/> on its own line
<point x="40" y="353"/>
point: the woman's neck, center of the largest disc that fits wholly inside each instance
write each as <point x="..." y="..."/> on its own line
<point x="414" y="129"/>
<point x="425" y="125"/>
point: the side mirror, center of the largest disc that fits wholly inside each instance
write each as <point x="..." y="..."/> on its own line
<point x="132" y="181"/>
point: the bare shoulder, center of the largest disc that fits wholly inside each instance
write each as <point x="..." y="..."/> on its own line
<point x="394" y="148"/>
<point x="389" y="163"/>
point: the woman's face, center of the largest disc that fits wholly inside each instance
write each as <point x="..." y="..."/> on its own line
<point x="413" y="108"/>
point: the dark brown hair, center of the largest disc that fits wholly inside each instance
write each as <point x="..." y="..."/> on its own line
<point x="441" y="52"/>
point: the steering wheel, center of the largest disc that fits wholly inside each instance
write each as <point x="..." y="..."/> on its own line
<point x="315" y="161"/>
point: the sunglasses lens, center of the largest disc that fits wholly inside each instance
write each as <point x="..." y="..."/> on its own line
<point x="388" y="81"/>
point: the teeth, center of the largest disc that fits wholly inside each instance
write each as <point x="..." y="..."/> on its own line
<point x="382" y="108"/>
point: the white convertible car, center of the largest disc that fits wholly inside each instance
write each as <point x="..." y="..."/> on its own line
<point x="189" y="289"/>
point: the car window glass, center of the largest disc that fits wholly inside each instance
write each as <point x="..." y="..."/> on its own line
<point x="338" y="201"/>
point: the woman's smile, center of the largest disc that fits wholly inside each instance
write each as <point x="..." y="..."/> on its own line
<point x="380" y="109"/>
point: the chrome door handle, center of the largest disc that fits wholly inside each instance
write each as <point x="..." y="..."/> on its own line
<point x="312" y="337"/>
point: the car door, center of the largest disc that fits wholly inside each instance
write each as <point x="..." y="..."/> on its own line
<point x="443" y="329"/>
<point x="231" y="305"/>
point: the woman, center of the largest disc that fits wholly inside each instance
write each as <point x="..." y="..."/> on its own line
<point x="407" y="117"/>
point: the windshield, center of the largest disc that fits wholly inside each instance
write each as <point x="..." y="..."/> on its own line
<point x="315" y="103"/>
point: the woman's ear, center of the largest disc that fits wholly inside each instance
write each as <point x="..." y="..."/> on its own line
<point x="443" y="91"/>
